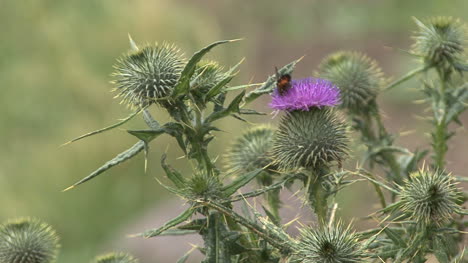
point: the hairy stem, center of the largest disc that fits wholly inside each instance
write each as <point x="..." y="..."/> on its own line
<point x="317" y="194"/>
<point x="407" y="76"/>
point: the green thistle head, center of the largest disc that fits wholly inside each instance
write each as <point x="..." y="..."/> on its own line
<point x="147" y="75"/>
<point x="116" y="258"/>
<point x="27" y="241"/>
<point x="334" y="244"/>
<point x="440" y="41"/>
<point x="430" y="197"/>
<point x="203" y="186"/>
<point x="250" y="151"/>
<point x="310" y="139"/>
<point x="358" y="77"/>
<point x="207" y="75"/>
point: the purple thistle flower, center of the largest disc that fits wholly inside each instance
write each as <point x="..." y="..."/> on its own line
<point x="305" y="94"/>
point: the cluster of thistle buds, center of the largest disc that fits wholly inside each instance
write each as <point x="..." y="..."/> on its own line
<point x="421" y="212"/>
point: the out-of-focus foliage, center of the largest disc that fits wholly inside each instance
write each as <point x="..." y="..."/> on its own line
<point x="54" y="59"/>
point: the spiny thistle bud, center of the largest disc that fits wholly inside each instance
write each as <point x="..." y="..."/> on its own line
<point x="251" y="150"/>
<point x="358" y="77"/>
<point x="204" y="186"/>
<point x="27" y="241"/>
<point x="116" y="258"/>
<point x="310" y="139"/>
<point x="334" y="244"/>
<point x="430" y="197"/>
<point x="147" y="75"/>
<point x="440" y="41"/>
<point x="207" y="75"/>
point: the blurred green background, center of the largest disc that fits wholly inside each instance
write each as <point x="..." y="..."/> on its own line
<point x="55" y="63"/>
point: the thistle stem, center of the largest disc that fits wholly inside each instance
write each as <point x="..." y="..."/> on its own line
<point x="440" y="134"/>
<point x="317" y="194"/>
<point x="406" y="77"/>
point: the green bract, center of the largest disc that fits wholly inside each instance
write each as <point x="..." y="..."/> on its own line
<point x="251" y="150"/>
<point x="430" y="197"/>
<point x="358" y="77"/>
<point x="333" y="244"/>
<point x="148" y="75"/>
<point x="310" y="139"/>
<point x="27" y="241"/>
<point x="116" y="258"/>
<point x="440" y="41"/>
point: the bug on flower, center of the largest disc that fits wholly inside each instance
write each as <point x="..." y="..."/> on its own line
<point x="283" y="82"/>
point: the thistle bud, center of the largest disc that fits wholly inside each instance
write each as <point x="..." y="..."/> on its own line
<point x="334" y="244"/>
<point x="116" y="258"/>
<point x="207" y="75"/>
<point x="27" y="241"/>
<point x="356" y="75"/>
<point x="310" y="139"/>
<point x="440" y="41"/>
<point x="251" y="150"/>
<point x="203" y="186"/>
<point x="430" y="197"/>
<point x="147" y="75"/>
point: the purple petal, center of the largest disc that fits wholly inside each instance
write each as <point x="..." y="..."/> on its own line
<point x="305" y="94"/>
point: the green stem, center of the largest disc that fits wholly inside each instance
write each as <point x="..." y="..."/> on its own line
<point x="317" y="194"/>
<point x="275" y="241"/>
<point x="406" y="77"/>
<point x="440" y="134"/>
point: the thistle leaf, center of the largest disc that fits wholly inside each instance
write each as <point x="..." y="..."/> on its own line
<point x="104" y="129"/>
<point x="232" y="108"/>
<point x="183" y="84"/>
<point x="172" y="223"/>
<point x="120" y="158"/>
<point x="239" y="182"/>
<point x="214" y="91"/>
<point x="270" y="83"/>
<point x="146" y="135"/>
<point x="176" y="178"/>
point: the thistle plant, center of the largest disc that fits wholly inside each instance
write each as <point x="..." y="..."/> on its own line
<point x="116" y="258"/>
<point x="422" y="207"/>
<point x="331" y="244"/>
<point x="27" y="240"/>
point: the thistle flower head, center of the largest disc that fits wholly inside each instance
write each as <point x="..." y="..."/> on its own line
<point x="356" y="75"/>
<point x="250" y="151"/>
<point x="204" y="186"/>
<point x="147" y="75"/>
<point x="305" y="94"/>
<point x="440" y="41"/>
<point x="207" y="75"/>
<point x="334" y="244"/>
<point x="116" y="258"/>
<point x="27" y="241"/>
<point x="310" y="139"/>
<point x="430" y="197"/>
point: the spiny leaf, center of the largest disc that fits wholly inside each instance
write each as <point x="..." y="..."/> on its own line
<point x="146" y="135"/>
<point x="239" y="182"/>
<point x="395" y="237"/>
<point x="183" y="85"/>
<point x="176" y="178"/>
<point x="270" y="84"/>
<point x="122" y="157"/>
<point x="214" y="91"/>
<point x="104" y="129"/>
<point x="178" y="232"/>
<point x="218" y="88"/>
<point x="232" y="108"/>
<point x="172" y="223"/>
